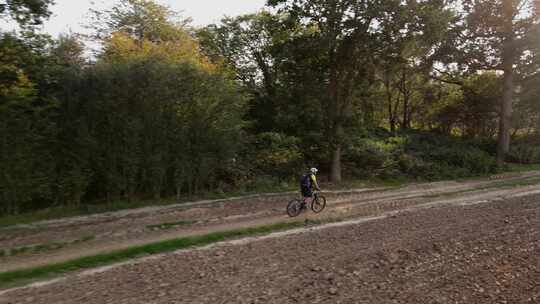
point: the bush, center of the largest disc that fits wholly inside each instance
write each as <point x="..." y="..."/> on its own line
<point x="367" y="155"/>
<point x="420" y="155"/>
<point x="413" y="166"/>
<point x="474" y="160"/>
<point x="277" y="155"/>
<point x="524" y="154"/>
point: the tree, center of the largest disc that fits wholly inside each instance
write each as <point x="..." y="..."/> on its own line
<point x="161" y="127"/>
<point x="140" y="19"/>
<point x="498" y="34"/>
<point x="249" y="45"/>
<point x="73" y="143"/>
<point x="245" y="44"/>
<point x="69" y="51"/>
<point x="26" y="12"/>
<point x="469" y="109"/>
<point x="351" y="34"/>
<point x="279" y="63"/>
<point x="19" y="178"/>
<point x="143" y="28"/>
<point x="26" y="127"/>
<point x="340" y="34"/>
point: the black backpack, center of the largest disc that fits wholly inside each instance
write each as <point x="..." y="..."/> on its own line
<point x="305" y="181"/>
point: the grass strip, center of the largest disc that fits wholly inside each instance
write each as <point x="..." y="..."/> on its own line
<point x="166" y="226"/>
<point x="100" y="208"/>
<point x="523" y="167"/>
<point x="517" y="183"/>
<point x="11" y="278"/>
<point x="496" y="185"/>
<point x="42" y="247"/>
<point x="506" y="184"/>
<point x="89" y="209"/>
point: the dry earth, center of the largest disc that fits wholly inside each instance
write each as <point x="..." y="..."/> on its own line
<point x="123" y="229"/>
<point x="454" y="251"/>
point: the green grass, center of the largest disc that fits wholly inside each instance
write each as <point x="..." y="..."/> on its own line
<point x="376" y="182"/>
<point x="12" y="278"/>
<point x="85" y="239"/>
<point x="166" y="226"/>
<point x="89" y="209"/>
<point x="69" y="211"/>
<point x="522" y="167"/>
<point x="43" y="247"/>
<point x="47" y="247"/>
<point x="495" y="185"/>
<point x="20" y="250"/>
<point x="514" y="183"/>
<point x="506" y="184"/>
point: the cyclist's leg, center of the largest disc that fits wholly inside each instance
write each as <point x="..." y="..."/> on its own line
<point x="306" y="195"/>
<point x="308" y="198"/>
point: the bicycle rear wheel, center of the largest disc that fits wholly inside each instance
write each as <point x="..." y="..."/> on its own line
<point x="294" y="208"/>
<point x="318" y="204"/>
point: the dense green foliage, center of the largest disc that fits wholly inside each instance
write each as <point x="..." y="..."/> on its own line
<point x="418" y="155"/>
<point x="359" y="89"/>
<point x="25" y="12"/>
<point x="443" y="157"/>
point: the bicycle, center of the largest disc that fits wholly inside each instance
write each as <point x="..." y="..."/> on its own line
<point x="297" y="206"/>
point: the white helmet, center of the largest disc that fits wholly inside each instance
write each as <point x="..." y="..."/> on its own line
<point x="314" y="170"/>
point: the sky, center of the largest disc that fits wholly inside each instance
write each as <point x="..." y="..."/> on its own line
<point x="69" y="15"/>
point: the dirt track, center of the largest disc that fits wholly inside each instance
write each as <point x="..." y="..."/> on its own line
<point x="483" y="253"/>
<point x="127" y="228"/>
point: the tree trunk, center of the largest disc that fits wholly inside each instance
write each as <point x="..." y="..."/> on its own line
<point x="391" y="115"/>
<point x="406" y="124"/>
<point x="508" y="89"/>
<point x="405" y="93"/>
<point x="178" y="192"/>
<point x="392" y="125"/>
<point x="335" y="170"/>
<point x="506" y="116"/>
<point x="336" y="128"/>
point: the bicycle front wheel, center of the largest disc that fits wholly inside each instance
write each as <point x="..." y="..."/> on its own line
<point x="318" y="204"/>
<point x="294" y="208"/>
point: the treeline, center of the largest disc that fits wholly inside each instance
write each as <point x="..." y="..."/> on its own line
<point x="359" y="89"/>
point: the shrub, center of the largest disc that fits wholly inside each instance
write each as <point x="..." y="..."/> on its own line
<point x="413" y="166"/>
<point x="420" y="155"/>
<point x="470" y="158"/>
<point x="368" y="154"/>
<point x="277" y="155"/>
<point x="524" y="154"/>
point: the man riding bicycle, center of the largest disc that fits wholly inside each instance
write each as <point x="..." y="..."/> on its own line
<point x="308" y="183"/>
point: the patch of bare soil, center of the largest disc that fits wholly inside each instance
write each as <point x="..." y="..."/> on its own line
<point x="483" y="253"/>
<point x="118" y="230"/>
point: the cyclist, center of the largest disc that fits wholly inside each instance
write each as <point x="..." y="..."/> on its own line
<point x="308" y="183"/>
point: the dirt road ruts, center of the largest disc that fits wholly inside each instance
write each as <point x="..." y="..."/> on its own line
<point x="483" y="253"/>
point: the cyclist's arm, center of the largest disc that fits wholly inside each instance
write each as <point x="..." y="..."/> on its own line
<point x="315" y="183"/>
